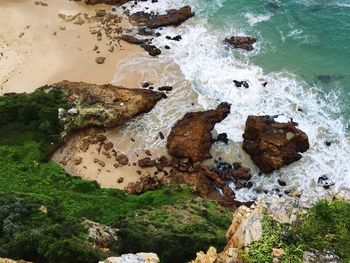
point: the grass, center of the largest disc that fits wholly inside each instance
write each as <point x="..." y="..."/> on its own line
<point x="326" y="226"/>
<point x="28" y="129"/>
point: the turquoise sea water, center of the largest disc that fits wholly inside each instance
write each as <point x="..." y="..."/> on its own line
<point x="303" y="53"/>
<point x="310" y="38"/>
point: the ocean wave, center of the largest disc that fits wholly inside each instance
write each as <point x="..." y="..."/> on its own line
<point x="210" y="69"/>
<point x="254" y="19"/>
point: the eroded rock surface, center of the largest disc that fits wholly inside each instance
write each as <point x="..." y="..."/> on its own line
<point x="101" y="235"/>
<point x="271" y="144"/>
<point x="173" y="17"/>
<point x="191" y="136"/>
<point x="243" y="42"/>
<point x="102" y="105"/>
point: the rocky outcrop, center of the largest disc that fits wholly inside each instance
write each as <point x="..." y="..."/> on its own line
<point x="203" y="181"/>
<point x="191" y="136"/>
<point x="172" y="17"/>
<point x="108" y="2"/>
<point x="7" y="260"/>
<point x="101" y="235"/>
<point x="245" y="229"/>
<point x="271" y="144"/>
<point x="144" y="184"/>
<point x="102" y="105"/>
<point x="133" y="258"/>
<point x="131" y="39"/>
<point x="243" y="42"/>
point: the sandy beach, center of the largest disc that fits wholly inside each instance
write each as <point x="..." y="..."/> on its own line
<point x="35" y="52"/>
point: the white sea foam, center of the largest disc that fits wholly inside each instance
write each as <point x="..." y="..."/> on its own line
<point x="255" y="19"/>
<point x="210" y="69"/>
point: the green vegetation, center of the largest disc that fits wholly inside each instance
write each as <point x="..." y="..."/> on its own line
<point x="171" y="216"/>
<point x="326" y="226"/>
<point x="26" y="118"/>
<point x="182" y="227"/>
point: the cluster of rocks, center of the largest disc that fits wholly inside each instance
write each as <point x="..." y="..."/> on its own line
<point x="101" y="236"/>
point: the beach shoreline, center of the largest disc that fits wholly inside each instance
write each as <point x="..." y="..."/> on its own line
<point x="37" y="52"/>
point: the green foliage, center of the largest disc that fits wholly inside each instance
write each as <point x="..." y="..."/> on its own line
<point x="275" y="235"/>
<point x="33" y="118"/>
<point x="185" y="228"/>
<point x="327" y="226"/>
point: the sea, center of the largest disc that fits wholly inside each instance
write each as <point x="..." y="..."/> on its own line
<point x="303" y="53"/>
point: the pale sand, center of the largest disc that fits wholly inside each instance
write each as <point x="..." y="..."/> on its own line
<point x="106" y="175"/>
<point x="38" y="48"/>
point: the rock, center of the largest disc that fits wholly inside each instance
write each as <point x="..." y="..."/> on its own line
<point x="146" y="162"/>
<point x="172" y="17"/>
<point x="104" y="105"/>
<point x="152" y="50"/>
<point x="72" y="111"/>
<point x="120" y="180"/>
<point x="99" y="162"/>
<point x="8" y="260"/>
<point x="122" y="159"/>
<point x="246" y="227"/>
<point x="144" y="184"/>
<point x="100" y="60"/>
<point x="78" y="160"/>
<point x="100" y="138"/>
<point x="210" y="257"/>
<point x="191" y="136"/>
<point x="134" y="258"/>
<point x="165" y="88"/>
<point x="177" y="38"/>
<point x="271" y="144"/>
<point x="101" y="235"/>
<point x="108" y="146"/>
<point x="222" y="137"/>
<point x="131" y="39"/>
<point x="242" y="173"/>
<point x="315" y="256"/>
<point x="243" y="42"/>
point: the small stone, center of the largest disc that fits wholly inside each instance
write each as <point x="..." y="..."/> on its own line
<point x="120" y="180"/>
<point x="122" y="159"/>
<point x="100" y="60"/>
<point x="78" y="160"/>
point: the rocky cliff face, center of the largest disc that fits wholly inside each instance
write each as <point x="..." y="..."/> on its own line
<point x="102" y="105"/>
<point x="271" y="144"/>
<point x="190" y="137"/>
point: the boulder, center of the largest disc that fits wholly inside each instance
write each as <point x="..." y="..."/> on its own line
<point x="191" y="136"/>
<point x="243" y="42"/>
<point x="271" y="144"/>
<point x="103" y="105"/>
<point x="146" y="162"/>
<point x="151" y="49"/>
<point x="144" y="184"/>
<point x="172" y="17"/>
<point x="131" y="39"/>
<point x="101" y="235"/>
